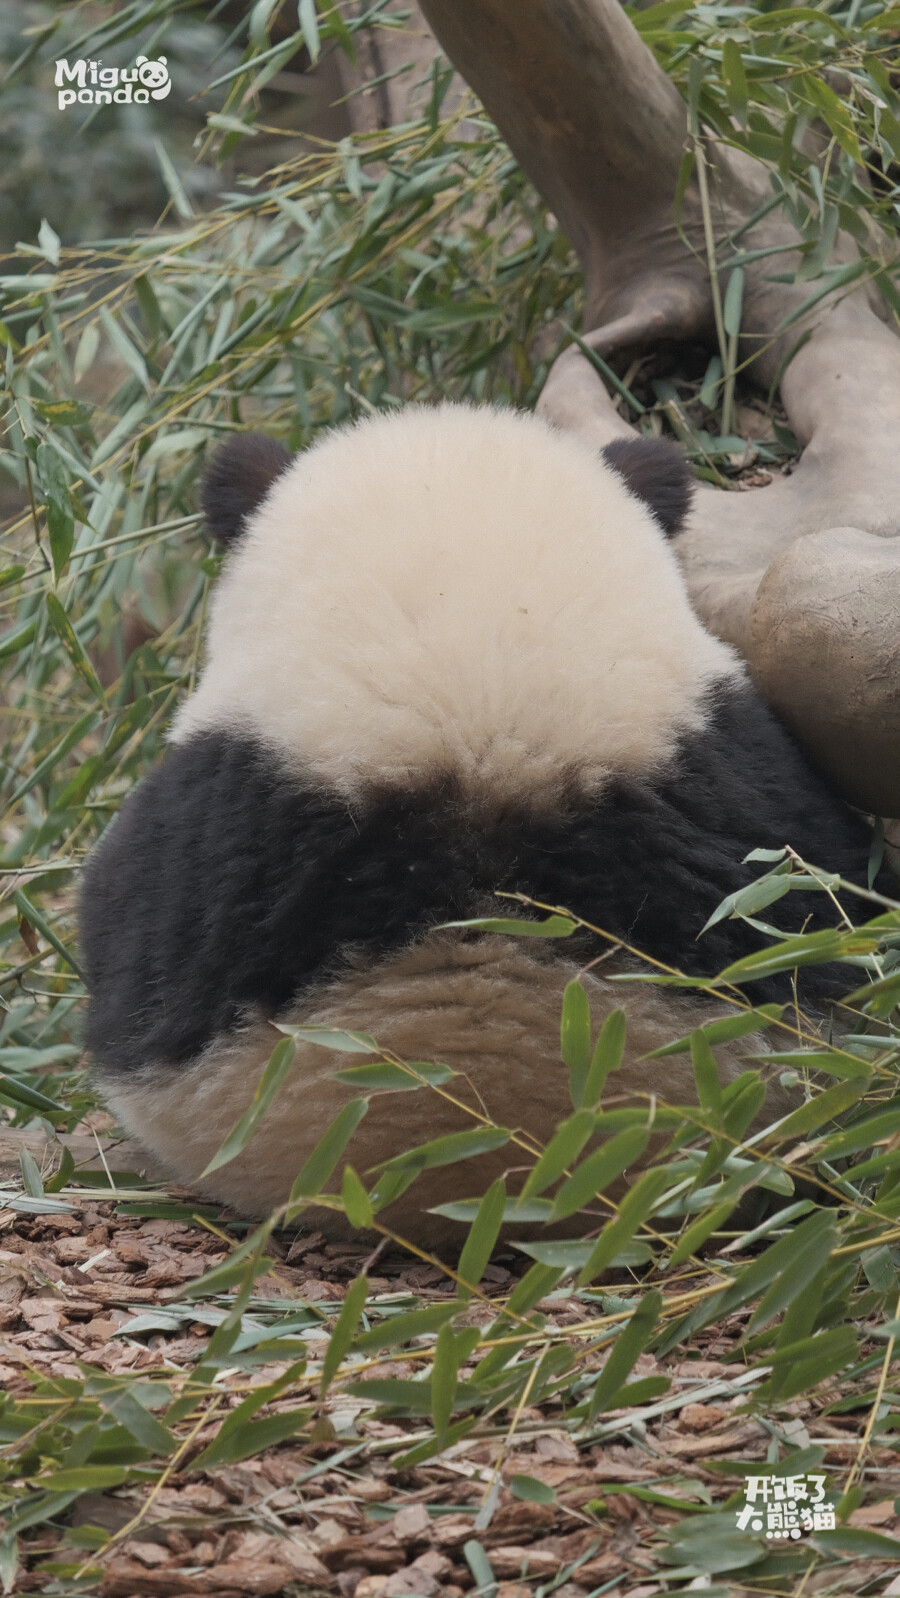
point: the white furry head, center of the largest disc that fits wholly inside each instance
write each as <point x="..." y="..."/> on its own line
<point x="461" y="591"/>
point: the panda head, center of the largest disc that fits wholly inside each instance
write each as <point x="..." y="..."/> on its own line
<point x="456" y="593"/>
<point x="245" y="467"/>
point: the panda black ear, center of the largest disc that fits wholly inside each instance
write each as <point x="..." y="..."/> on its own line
<point x="238" y="479"/>
<point x="658" y="473"/>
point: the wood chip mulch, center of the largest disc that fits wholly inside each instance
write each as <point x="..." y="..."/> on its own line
<point x="333" y="1515"/>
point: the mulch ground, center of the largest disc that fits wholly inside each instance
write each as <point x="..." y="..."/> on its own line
<point x="333" y="1512"/>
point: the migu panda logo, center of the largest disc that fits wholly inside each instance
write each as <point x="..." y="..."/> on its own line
<point x="154" y="75"/>
<point x="91" y="83"/>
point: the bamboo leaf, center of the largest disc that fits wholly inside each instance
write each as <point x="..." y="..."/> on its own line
<point x="595" y="1173"/>
<point x="399" y="1329"/>
<point x="880" y="997"/>
<point x="86" y="352"/>
<point x="242" y="1435"/>
<point x="554" y="926"/>
<point x="643" y="1391"/>
<point x="35" y="919"/>
<point x="736" y="85"/>
<point x="741" y="1108"/>
<point x="523" y="1212"/>
<point x="835" y="113"/>
<point x="538" y="1281"/>
<point x="412" y="1397"/>
<point x="16" y="1092"/>
<point x="571" y="1256"/>
<point x="451" y="1149"/>
<point x="844" y="1065"/>
<point x="49" y="242"/>
<point x="607" y="1057"/>
<point x="706" y="1076"/>
<point x="532" y="1491"/>
<point x="63" y="1174"/>
<point x="245" y="1260"/>
<point x="836" y="278"/>
<point x="629" y="1344"/>
<point x="756" y="896"/>
<point x="325" y="1156"/>
<point x="344" y="1330"/>
<point x="483" y="1234"/>
<point x="123" y="430"/>
<point x="16" y="639"/>
<point x="480" y="1566"/>
<point x="857" y="1542"/>
<point x="326" y="1038"/>
<point x="81" y="729"/>
<point x="811" y="948"/>
<point x="60" y="520"/>
<point x="801" y="1366"/>
<point x="392" y="1183"/>
<point x="756" y="1276"/>
<point x="79" y="1479"/>
<point x="356" y="1201"/>
<point x="812" y="1246"/>
<point x="384" y="1076"/>
<point x="633" y="1211"/>
<point x="724" y="1031"/>
<point x="731" y="311"/>
<point x="535" y="1284"/>
<point x="171" y="179"/>
<point x="121" y="343"/>
<point x="31" y="1176"/>
<point x="248" y="1439"/>
<point x="65" y="632"/>
<point x="309" y="23"/>
<point x="697" y="1233"/>
<point x="562" y="1151"/>
<point x="824" y="1107"/>
<point x="575" y="1038"/>
<point x="864" y="1134"/>
<point x="444" y="1379"/>
<point x="260" y="19"/>
<point x="278" y="1068"/>
<point x="121" y="1401"/>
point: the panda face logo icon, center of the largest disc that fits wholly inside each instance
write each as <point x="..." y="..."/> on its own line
<point x="154" y="75"/>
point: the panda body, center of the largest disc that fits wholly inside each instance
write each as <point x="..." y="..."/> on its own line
<point x="451" y="654"/>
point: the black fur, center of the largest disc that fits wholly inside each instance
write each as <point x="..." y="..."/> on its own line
<point x="659" y="474"/>
<point x="238" y="479"/>
<point x="225" y="883"/>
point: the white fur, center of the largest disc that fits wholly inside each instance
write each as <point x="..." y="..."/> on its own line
<point x="455" y="590"/>
<point x="488" y="1007"/>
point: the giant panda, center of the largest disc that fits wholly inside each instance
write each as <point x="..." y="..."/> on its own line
<point x="451" y="654"/>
